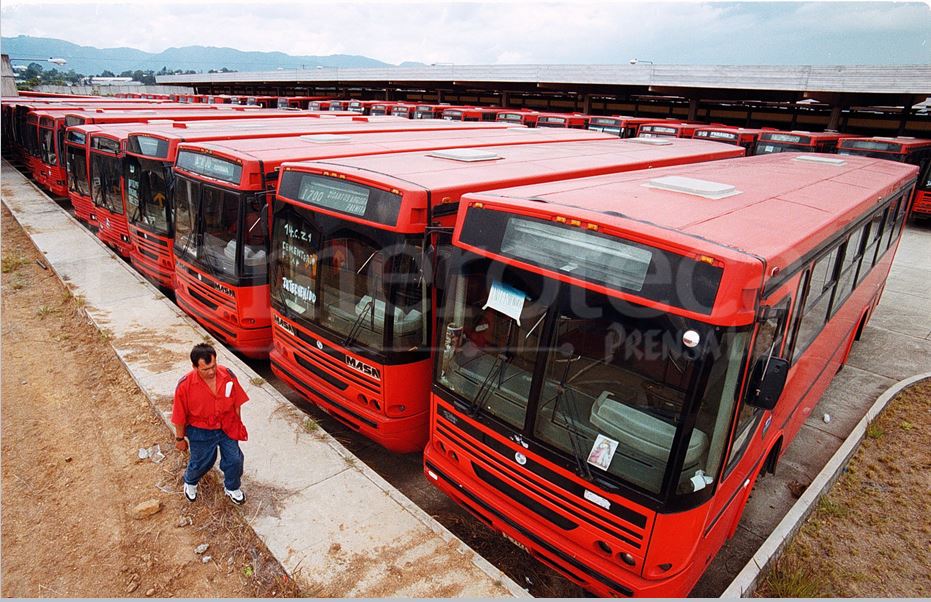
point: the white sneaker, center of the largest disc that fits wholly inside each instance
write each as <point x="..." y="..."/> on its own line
<point x="236" y="495"/>
<point x="190" y="492"/>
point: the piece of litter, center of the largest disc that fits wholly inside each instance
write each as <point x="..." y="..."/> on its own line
<point x="185" y="521"/>
<point x="143" y="453"/>
<point x="42" y="265"/>
<point x="201" y="548"/>
<point x="154" y="453"/>
<point x="206" y="559"/>
<point x="827" y="418"/>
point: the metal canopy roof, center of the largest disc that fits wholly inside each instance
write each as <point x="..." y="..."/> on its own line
<point x="895" y="85"/>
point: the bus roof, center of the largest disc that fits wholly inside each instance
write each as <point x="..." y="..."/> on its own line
<point x="822" y="193"/>
<point x="510" y="164"/>
<point x="272" y="152"/>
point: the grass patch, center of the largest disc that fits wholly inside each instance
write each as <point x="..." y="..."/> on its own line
<point x="829" y="507"/>
<point x="874" y="431"/>
<point x="257" y="381"/>
<point x="11" y="263"/>
<point x="44" y="310"/>
<point x="310" y="426"/>
<point x="791" y="579"/>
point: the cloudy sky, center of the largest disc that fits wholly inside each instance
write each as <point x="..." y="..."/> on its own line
<point x="500" y="32"/>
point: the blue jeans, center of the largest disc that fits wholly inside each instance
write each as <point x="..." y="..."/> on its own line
<point x="203" y="447"/>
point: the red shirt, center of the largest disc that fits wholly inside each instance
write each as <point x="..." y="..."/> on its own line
<point x="197" y="405"/>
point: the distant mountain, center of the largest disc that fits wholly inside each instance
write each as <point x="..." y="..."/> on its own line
<point x="91" y="61"/>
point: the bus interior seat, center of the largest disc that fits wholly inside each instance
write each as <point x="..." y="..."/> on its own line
<point x="642" y="432"/>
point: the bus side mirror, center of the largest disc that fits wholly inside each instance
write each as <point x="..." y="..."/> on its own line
<point x="765" y="389"/>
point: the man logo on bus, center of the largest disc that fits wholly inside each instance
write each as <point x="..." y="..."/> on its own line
<point x="363" y="368"/>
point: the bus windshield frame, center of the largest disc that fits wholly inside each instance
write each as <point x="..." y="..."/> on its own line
<point x="149" y="186"/>
<point x="221" y="230"/>
<point x="615" y="397"/>
<point x="358" y="285"/>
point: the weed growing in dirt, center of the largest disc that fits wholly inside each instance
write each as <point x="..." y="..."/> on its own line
<point x="874" y="431"/>
<point x="44" y="310"/>
<point x="257" y="381"/>
<point x="829" y="507"/>
<point x="310" y="426"/>
<point x="791" y="579"/>
<point x="10" y="263"/>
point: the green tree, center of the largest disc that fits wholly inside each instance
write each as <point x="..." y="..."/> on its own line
<point x="107" y="73"/>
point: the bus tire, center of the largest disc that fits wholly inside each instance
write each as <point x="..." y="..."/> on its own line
<point x="769" y="465"/>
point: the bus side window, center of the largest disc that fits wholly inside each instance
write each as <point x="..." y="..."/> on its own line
<point x="770" y="336"/>
<point x="817" y="301"/>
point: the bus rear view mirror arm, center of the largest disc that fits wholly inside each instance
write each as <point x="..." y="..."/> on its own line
<point x="766" y="390"/>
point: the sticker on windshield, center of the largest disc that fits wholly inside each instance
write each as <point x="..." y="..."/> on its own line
<point x="506" y="299"/>
<point x="602" y="452"/>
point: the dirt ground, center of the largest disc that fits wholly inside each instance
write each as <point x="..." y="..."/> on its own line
<point x="72" y="424"/>
<point x="870" y="536"/>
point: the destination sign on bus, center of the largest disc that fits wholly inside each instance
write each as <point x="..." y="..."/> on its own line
<point x="876" y="145"/>
<point x="372" y="204"/>
<point x="211" y="167"/>
<point x="658" y="129"/>
<point x="623" y="265"/>
<point x="785" y="138"/>
<point x="106" y="144"/>
<point x="716" y="135"/>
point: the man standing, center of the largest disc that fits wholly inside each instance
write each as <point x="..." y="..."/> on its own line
<point x="206" y="414"/>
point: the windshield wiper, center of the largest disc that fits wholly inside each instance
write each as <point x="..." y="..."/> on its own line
<point x="357" y="325"/>
<point x="578" y="451"/>
<point x="496" y="372"/>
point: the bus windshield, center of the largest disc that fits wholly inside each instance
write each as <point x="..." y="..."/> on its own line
<point x="77" y="170"/>
<point x="105" y="182"/>
<point x="48" y="147"/>
<point x="220" y="229"/>
<point x="147" y="190"/>
<point x="360" y="283"/>
<point x="768" y="146"/>
<point x="605" y="384"/>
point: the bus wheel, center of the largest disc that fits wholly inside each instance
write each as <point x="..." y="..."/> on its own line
<point x="769" y="465"/>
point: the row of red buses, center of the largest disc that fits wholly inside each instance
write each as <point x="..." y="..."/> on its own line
<point x="50" y="172"/>
<point x="152" y="152"/>
<point x="221" y="278"/>
<point x="915" y="151"/>
<point x="104" y="208"/>
<point x="78" y="143"/>
<point x="620" y="357"/>
<point x="351" y="297"/>
<point x="297" y="102"/>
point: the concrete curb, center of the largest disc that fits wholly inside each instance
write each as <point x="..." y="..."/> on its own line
<point x="744" y="584"/>
<point x="251" y="381"/>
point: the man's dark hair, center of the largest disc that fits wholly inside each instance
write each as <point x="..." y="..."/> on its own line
<point x="202" y="351"/>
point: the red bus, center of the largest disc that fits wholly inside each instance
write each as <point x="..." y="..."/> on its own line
<point x="470" y="114"/>
<point x="426" y="111"/>
<point x="339" y="105"/>
<point x="652" y="343"/>
<point x="672" y="129"/>
<point x="403" y="110"/>
<point x="319" y="105"/>
<point x="619" y="125"/>
<point x="297" y="102"/>
<point x="797" y="141"/>
<point x="266" y="102"/>
<point x="519" y="117"/>
<point x="745" y="137"/>
<point x="352" y="311"/>
<point x="383" y="108"/>
<point x="371" y="107"/>
<point x="151" y="152"/>
<point x="915" y="151"/>
<point x="563" y="120"/>
<point x="220" y="276"/>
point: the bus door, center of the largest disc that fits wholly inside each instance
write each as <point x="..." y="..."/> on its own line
<point x="755" y="428"/>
